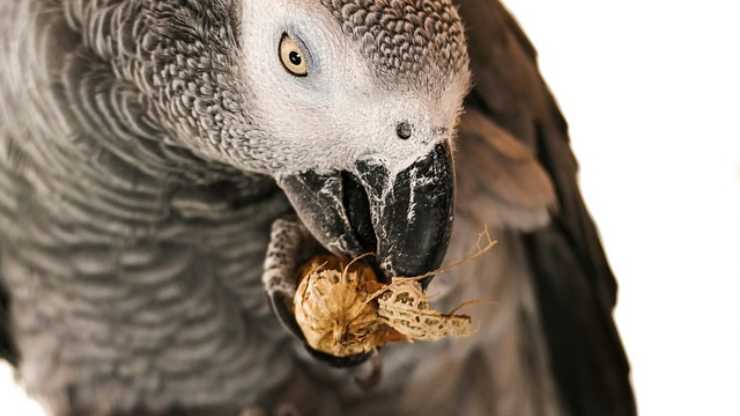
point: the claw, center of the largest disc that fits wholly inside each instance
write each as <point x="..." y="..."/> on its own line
<point x="287" y="248"/>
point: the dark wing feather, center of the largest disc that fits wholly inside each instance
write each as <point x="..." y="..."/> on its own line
<point x="7" y="349"/>
<point x="575" y="288"/>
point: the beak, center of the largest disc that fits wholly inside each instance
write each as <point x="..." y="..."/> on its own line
<point x="405" y="218"/>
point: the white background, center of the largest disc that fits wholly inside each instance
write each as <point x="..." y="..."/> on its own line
<point x="650" y="88"/>
<point x="651" y="91"/>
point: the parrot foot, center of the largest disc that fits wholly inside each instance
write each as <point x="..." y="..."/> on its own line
<point x="290" y="245"/>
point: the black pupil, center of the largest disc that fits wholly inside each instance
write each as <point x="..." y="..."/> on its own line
<point x="295" y="58"/>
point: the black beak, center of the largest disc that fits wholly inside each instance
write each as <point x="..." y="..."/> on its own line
<point x="406" y="218"/>
<point x="412" y="216"/>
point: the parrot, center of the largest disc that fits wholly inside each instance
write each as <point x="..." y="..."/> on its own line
<point x="166" y="165"/>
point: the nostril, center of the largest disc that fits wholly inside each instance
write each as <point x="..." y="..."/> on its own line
<point x="403" y="130"/>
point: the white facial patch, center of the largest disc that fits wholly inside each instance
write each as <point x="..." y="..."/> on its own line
<point x="341" y="110"/>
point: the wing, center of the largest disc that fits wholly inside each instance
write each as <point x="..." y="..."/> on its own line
<point x="517" y="174"/>
<point x="7" y="350"/>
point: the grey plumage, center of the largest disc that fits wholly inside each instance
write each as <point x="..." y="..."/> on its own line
<point x="145" y="275"/>
<point x="136" y="202"/>
<point x="406" y="39"/>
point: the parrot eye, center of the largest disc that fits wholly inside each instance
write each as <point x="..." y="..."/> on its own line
<point x="292" y="56"/>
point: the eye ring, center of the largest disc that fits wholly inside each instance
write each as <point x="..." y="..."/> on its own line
<point x="292" y="56"/>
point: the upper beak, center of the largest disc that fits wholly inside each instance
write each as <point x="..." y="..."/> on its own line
<point x="404" y="218"/>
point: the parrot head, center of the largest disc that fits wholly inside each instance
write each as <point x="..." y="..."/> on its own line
<point x="350" y="105"/>
<point x="361" y="100"/>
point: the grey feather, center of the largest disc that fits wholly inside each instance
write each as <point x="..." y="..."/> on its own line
<point x="405" y="39"/>
<point x="129" y="285"/>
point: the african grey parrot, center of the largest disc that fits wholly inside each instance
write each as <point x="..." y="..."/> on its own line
<point x="166" y="164"/>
